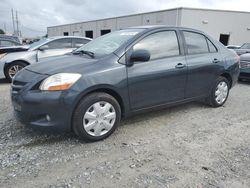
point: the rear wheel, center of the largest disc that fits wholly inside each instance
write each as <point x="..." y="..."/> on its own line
<point x="96" y="117"/>
<point x="219" y="93"/>
<point x="11" y="69"/>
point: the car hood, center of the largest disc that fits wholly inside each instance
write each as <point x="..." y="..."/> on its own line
<point x="62" y="64"/>
<point x="12" y="49"/>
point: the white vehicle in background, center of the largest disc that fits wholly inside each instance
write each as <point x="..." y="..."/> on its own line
<point x="13" y="61"/>
<point x="232" y="47"/>
<point x="245" y="48"/>
<point x="8" y="41"/>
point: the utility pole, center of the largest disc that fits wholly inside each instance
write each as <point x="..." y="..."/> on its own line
<point x="4" y="26"/>
<point x="17" y="26"/>
<point x="13" y="21"/>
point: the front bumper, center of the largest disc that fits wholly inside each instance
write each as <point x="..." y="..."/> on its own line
<point x="41" y="109"/>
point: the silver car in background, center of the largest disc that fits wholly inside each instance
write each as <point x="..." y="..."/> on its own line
<point x="244" y="67"/>
<point x="11" y="63"/>
<point x="245" y="48"/>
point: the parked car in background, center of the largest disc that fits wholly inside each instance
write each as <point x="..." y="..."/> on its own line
<point x="244" y="67"/>
<point x="245" y="48"/>
<point x="233" y="47"/>
<point x="11" y="63"/>
<point x="7" y="41"/>
<point x="120" y="74"/>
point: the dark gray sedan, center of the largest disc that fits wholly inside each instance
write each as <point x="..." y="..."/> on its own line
<point x="121" y="74"/>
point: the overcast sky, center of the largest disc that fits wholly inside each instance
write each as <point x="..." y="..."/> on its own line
<point x="36" y="15"/>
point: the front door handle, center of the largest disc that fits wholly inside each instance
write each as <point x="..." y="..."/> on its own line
<point x="180" y="66"/>
<point x="216" y="60"/>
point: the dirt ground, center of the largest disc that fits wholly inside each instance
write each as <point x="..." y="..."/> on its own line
<point x="190" y="145"/>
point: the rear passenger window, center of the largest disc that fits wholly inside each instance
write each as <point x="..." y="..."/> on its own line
<point x="196" y="43"/>
<point x="211" y="46"/>
<point x="160" y="45"/>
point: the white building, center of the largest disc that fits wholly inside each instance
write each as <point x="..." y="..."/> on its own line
<point x="230" y="27"/>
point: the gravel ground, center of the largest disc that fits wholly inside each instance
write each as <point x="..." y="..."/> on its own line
<point x="191" y="145"/>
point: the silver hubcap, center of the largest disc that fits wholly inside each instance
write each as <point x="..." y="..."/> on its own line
<point x="99" y="118"/>
<point x="221" y="92"/>
<point x="14" y="69"/>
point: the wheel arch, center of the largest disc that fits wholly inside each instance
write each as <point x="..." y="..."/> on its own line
<point x="228" y="77"/>
<point x="111" y="92"/>
<point x="105" y="89"/>
<point x="9" y="63"/>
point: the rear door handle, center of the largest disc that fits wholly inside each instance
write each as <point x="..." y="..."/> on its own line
<point x="216" y="60"/>
<point x="180" y="66"/>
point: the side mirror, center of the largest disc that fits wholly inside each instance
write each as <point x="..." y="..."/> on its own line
<point x="140" y="56"/>
<point x="44" y="47"/>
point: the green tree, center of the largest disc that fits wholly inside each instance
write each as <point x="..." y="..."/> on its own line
<point x="2" y="31"/>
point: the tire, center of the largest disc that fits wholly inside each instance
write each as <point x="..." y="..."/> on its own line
<point x="221" y="86"/>
<point x="14" y="67"/>
<point x="91" y="121"/>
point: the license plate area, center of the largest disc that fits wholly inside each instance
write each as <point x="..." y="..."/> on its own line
<point x="16" y="106"/>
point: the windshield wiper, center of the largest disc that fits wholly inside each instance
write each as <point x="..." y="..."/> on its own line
<point x="89" y="53"/>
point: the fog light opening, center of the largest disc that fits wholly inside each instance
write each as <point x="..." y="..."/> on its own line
<point x="48" y="118"/>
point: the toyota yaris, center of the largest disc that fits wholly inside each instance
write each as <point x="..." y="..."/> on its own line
<point x="120" y="74"/>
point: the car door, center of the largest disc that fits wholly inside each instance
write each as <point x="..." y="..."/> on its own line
<point x="204" y="61"/>
<point x="55" y="48"/>
<point x="162" y="79"/>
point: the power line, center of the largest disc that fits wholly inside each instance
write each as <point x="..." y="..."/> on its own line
<point x="17" y="26"/>
<point x="34" y="30"/>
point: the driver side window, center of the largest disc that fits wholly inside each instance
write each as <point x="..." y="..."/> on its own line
<point x="160" y="45"/>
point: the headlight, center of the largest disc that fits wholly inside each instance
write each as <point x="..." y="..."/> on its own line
<point x="2" y="55"/>
<point x="59" y="82"/>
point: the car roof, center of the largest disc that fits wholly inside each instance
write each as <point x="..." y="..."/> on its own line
<point x="62" y="37"/>
<point x="152" y="27"/>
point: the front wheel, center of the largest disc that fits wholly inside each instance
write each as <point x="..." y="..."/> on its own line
<point x="11" y="69"/>
<point x="96" y="117"/>
<point x="219" y="93"/>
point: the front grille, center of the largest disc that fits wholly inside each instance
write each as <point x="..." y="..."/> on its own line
<point x="16" y="82"/>
<point x="16" y="86"/>
<point x="22" y="79"/>
<point x="244" y="64"/>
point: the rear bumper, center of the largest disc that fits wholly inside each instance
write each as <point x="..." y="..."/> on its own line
<point x="235" y="71"/>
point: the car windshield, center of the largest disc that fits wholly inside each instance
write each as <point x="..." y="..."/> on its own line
<point x="41" y="41"/>
<point x="245" y="46"/>
<point x="108" y="43"/>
